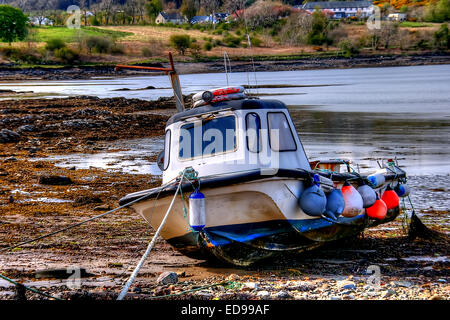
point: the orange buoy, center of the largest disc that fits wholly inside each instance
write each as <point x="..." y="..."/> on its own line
<point x="391" y="198"/>
<point x="353" y="201"/>
<point x="378" y="210"/>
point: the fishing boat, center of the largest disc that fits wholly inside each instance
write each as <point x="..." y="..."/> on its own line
<point x="247" y="190"/>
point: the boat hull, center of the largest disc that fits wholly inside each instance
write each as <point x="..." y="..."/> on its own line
<point x="248" y="222"/>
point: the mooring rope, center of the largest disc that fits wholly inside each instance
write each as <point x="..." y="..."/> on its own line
<point x="73" y="226"/>
<point x="185" y="174"/>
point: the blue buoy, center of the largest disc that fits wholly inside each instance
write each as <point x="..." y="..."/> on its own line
<point x="402" y="190"/>
<point x="313" y="201"/>
<point x="368" y="195"/>
<point x="376" y="179"/>
<point x="335" y="204"/>
<point x="197" y="210"/>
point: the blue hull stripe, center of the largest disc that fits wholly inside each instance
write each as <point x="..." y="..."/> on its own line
<point x="250" y="231"/>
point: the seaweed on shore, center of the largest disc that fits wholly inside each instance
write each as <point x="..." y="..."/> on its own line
<point x="417" y="229"/>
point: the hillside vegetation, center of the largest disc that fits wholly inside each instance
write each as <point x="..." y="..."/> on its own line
<point x="264" y="30"/>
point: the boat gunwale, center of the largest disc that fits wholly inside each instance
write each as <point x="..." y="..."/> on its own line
<point x="217" y="181"/>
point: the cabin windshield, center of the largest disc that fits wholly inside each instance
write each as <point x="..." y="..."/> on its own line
<point x="208" y="137"/>
<point x="281" y="137"/>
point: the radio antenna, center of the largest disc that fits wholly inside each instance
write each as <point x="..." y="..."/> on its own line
<point x="227" y="64"/>
<point x="249" y="42"/>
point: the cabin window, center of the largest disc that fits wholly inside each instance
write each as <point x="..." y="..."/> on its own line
<point x="253" y="123"/>
<point x="208" y="137"/>
<point x="280" y="133"/>
<point x="167" y="149"/>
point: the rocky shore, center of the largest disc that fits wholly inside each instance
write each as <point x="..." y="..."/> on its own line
<point x="14" y="73"/>
<point x="41" y="125"/>
<point x="37" y="197"/>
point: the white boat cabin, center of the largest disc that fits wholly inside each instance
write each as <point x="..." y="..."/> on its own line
<point x="230" y="137"/>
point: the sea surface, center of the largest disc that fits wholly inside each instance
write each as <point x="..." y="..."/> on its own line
<point x="363" y="114"/>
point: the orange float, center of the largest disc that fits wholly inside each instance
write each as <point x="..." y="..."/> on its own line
<point x="391" y="198"/>
<point x="378" y="210"/>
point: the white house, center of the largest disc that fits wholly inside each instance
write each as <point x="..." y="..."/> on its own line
<point x="212" y="18"/>
<point x="172" y="17"/>
<point x="397" y="16"/>
<point x="341" y="9"/>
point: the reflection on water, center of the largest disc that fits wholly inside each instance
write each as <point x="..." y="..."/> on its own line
<point x="420" y="145"/>
<point x="133" y="157"/>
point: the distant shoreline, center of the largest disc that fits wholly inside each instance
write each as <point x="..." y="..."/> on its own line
<point x="17" y="73"/>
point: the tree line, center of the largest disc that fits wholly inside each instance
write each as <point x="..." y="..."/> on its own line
<point x="128" y="11"/>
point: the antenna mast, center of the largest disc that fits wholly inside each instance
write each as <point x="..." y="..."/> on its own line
<point x="227" y="63"/>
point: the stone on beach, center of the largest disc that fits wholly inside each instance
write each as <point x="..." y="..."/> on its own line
<point x="251" y="285"/>
<point x="388" y="293"/>
<point x="26" y="128"/>
<point x="104" y="207"/>
<point x="7" y="136"/>
<point x="347" y="285"/>
<point x="283" y="295"/>
<point x="404" y="284"/>
<point x="168" y="277"/>
<point x="263" y="294"/>
<point x="55" y="180"/>
<point x="233" y="277"/>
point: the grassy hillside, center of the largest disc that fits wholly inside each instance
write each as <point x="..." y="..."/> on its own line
<point x="44" y="34"/>
<point x="137" y="44"/>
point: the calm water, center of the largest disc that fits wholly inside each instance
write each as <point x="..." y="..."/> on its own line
<point x="358" y="114"/>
